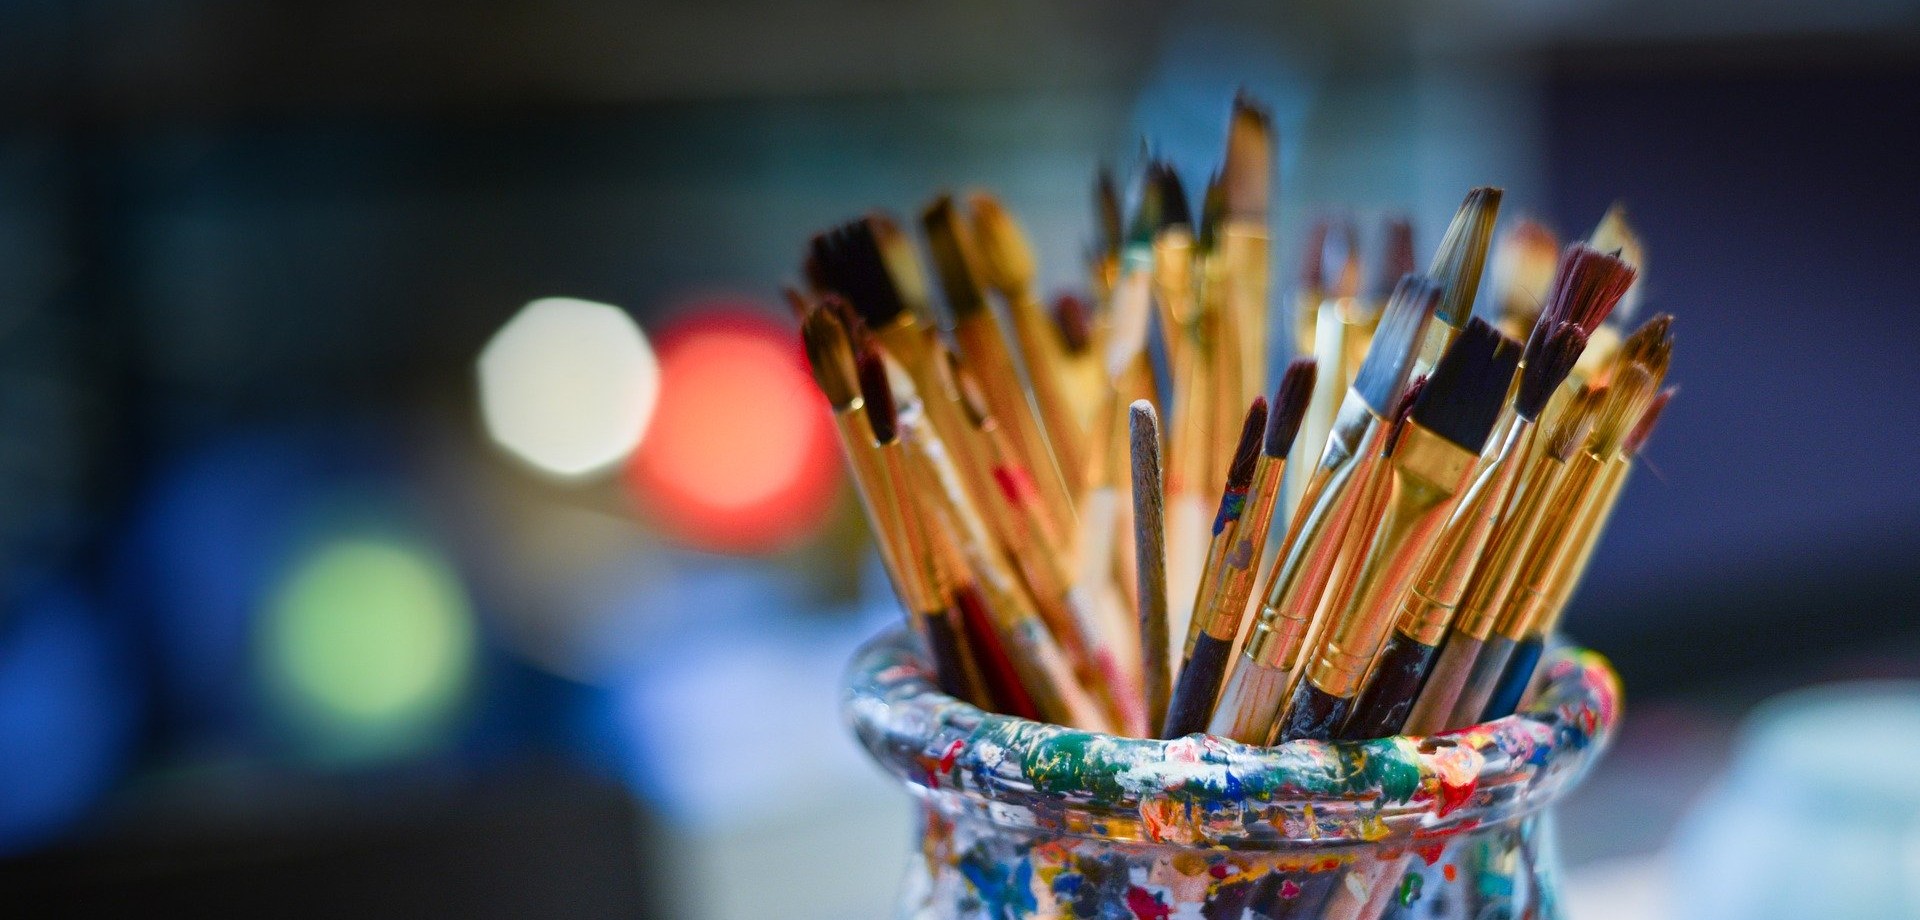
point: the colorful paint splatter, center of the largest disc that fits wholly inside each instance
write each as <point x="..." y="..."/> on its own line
<point x="1027" y="820"/>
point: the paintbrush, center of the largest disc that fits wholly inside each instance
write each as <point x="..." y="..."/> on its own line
<point x="1043" y="667"/>
<point x="1519" y="526"/>
<point x="1456" y="266"/>
<point x="1555" y="344"/>
<point x="1551" y="553"/>
<point x="1246" y="180"/>
<point x="1613" y="234"/>
<point x="1240" y="536"/>
<point x="1260" y="681"/>
<point x="982" y="341"/>
<point x="1083" y="382"/>
<point x="1204" y="655"/>
<point x="1110" y="219"/>
<point x="1150" y="550"/>
<point x="1006" y="258"/>
<point x="1432" y="456"/>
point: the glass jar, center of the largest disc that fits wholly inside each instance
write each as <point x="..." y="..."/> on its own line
<point x="1021" y="819"/>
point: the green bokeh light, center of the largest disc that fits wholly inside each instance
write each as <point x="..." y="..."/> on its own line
<point x="370" y="644"/>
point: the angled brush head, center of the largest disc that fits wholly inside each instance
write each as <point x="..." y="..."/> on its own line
<point x="877" y="393"/>
<point x="1174" y="214"/>
<point x="830" y="357"/>
<point x="1651" y="346"/>
<point x="1396" y="258"/>
<point x="1006" y="256"/>
<point x="1075" y="321"/>
<point x="848" y="261"/>
<point x="1628" y="394"/>
<point x="953" y="257"/>
<point x="1463" y="253"/>
<point x="1248" y="171"/>
<point x="1615" y="235"/>
<point x="1247" y="450"/>
<point x="1549" y="358"/>
<point x="1587" y="286"/>
<point x="1110" y="213"/>
<point x="1643" y="429"/>
<point x="1289" y="407"/>
<point x="1467" y="389"/>
<point x="1383" y="373"/>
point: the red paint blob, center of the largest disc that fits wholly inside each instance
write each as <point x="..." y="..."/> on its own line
<point x="1288" y="889"/>
<point x="1219" y="870"/>
<point x="1450" y="871"/>
<point x="741" y="455"/>
<point x="1145" y="906"/>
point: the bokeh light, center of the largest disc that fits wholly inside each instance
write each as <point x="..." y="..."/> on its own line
<point x="369" y="643"/>
<point x="568" y="386"/>
<point x="741" y="455"/>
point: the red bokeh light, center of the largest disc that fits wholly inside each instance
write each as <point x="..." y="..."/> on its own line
<point x="741" y="454"/>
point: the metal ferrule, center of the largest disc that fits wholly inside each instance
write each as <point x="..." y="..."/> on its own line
<point x="1428" y="472"/>
<point x="1241" y="562"/>
<point x="1553" y="553"/>
<point x="1437" y="591"/>
<point x="1518" y="530"/>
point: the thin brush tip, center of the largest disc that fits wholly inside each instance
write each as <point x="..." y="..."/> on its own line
<point x="1468" y="387"/>
<point x="1247" y="174"/>
<point x="1289" y="406"/>
<point x="1247" y="451"/>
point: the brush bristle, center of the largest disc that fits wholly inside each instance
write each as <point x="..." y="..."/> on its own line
<point x="1106" y="198"/>
<point x="1614" y="234"/>
<point x="1240" y="472"/>
<point x="1174" y="214"/>
<point x="1005" y="253"/>
<point x="1074" y="319"/>
<point x="1289" y="406"/>
<point x="847" y="261"/>
<point x="1628" y="394"/>
<point x="1650" y="345"/>
<point x="1148" y="210"/>
<point x="829" y="356"/>
<point x="1396" y="258"/>
<point x="1383" y="373"/>
<point x="1549" y="358"/>
<point x="1643" y="429"/>
<point x="1463" y="253"/>
<point x="953" y="258"/>
<point x="1469" y="386"/>
<point x="1248" y="172"/>
<point x="1575" y="423"/>
<point x="1587" y="286"/>
<point x="877" y="393"/>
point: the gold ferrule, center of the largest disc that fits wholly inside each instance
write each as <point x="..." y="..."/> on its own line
<point x="1428" y="472"/>
<point x="1442" y="582"/>
<point x="1591" y="526"/>
<point x="1240" y="564"/>
<point x="1519" y="529"/>
<point x="1555" y="550"/>
<point x="1245" y="250"/>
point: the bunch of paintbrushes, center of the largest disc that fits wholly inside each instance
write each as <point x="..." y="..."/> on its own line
<point x="1415" y="505"/>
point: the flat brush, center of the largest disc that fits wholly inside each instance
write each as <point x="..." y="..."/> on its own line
<point x="1456" y="266"/>
<point x="1006" y="258"/>
<point x="1150" y="550"/>
<point x="1449" y="677"/>
<point x="1432" y="457"/>
<point x="982" y="341"/>
<point x="1204" y="656"/>
<point x="1262" y="673"/>
<point x="1428" y="609"/>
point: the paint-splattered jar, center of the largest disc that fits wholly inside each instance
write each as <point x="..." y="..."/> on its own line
<point x="1021" y="819"/>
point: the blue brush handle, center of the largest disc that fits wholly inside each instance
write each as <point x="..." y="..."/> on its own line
<point x="1514" y="681"/>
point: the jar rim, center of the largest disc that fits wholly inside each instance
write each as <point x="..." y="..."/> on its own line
<point x="1205" y="790"/>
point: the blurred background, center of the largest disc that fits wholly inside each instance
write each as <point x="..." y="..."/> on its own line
<point x="412" y="501"/>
